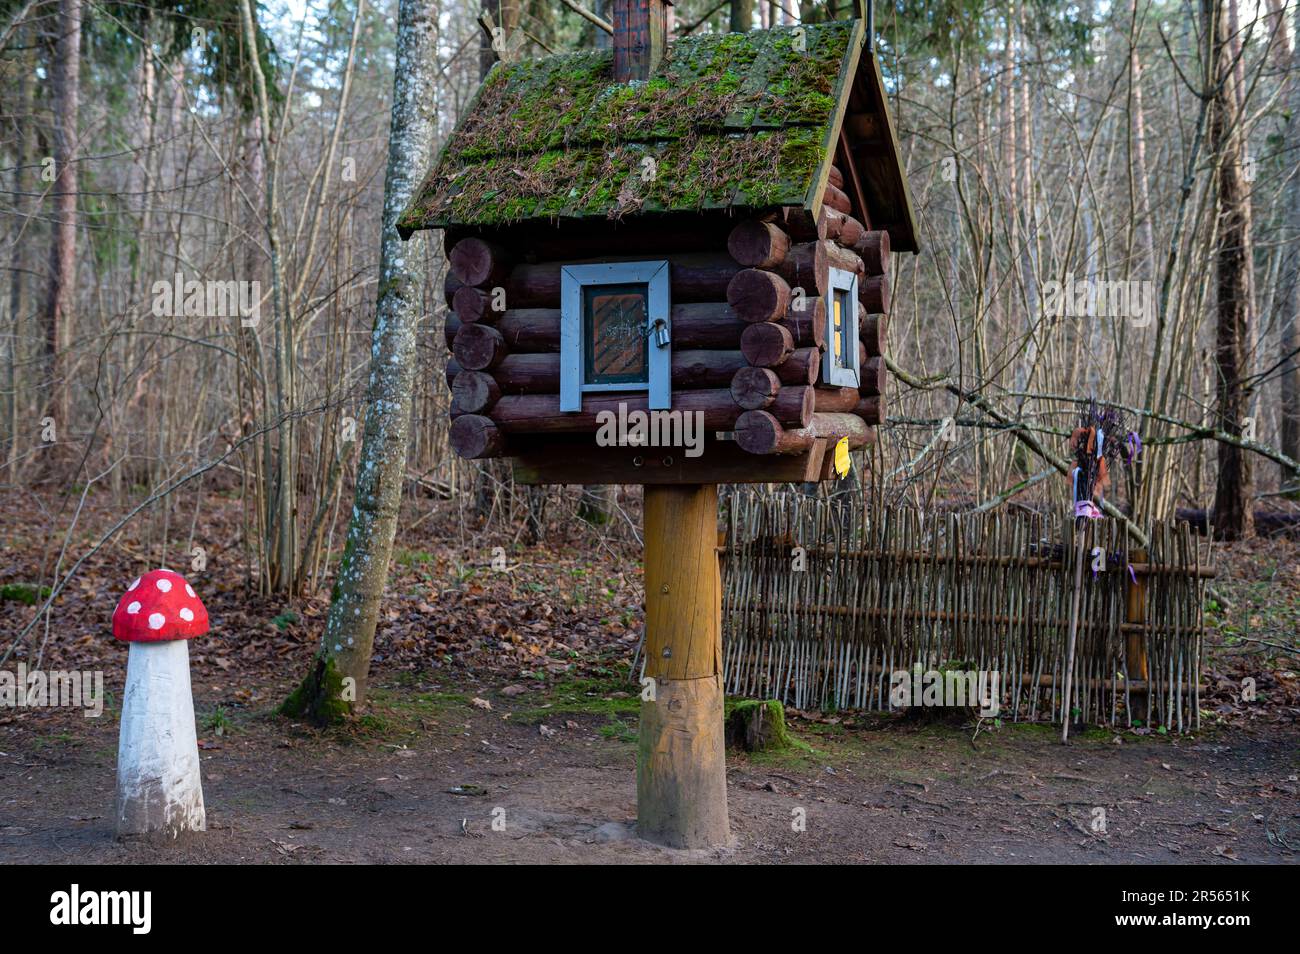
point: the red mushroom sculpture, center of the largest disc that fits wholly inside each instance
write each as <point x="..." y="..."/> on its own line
<point x="159" y="793"/>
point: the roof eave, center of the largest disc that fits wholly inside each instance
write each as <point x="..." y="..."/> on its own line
<point x="860" y="65"/>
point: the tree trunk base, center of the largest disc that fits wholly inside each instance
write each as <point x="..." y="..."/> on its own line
<point x="321" y="698"/>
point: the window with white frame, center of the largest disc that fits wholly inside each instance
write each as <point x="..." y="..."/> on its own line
<point x="615" y="332"/>
<point x="840" y="362"/>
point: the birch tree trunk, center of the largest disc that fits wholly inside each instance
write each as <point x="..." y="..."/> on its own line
<point x="336" y="683"/>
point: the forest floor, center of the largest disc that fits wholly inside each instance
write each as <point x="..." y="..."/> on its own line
<point x="504" y="697"/>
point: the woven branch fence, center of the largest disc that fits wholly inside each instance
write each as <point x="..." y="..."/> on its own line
<point x="822" y="603"/>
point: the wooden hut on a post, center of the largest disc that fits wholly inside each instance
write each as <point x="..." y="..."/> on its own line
<point x="664" y="234"/>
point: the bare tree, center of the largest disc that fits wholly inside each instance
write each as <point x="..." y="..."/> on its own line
<point x="336" y="683"/>
<point x="1233" y="493"/>
<point x="60" y="303"/>
<point x="1289" y="290"/>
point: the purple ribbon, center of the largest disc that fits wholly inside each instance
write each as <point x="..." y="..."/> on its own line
<point x="1134" y="443"/>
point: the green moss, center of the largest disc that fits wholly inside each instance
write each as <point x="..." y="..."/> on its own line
<point x="611" y="696"/>
<point x="620" y="731"/>
<point x="758" y="725"/>
<point x="26" y="593"/>
<point x="730" y="120"/>
<point x="345" y="562"/>
<point x="320" y="698"/>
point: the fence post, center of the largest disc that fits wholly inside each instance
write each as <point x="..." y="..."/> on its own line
<point x="1135" y="643"/>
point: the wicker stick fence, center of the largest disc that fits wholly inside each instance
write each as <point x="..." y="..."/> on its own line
<point x="823" y="605"/>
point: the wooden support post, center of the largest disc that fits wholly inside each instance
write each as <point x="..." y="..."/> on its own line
<point x="1135" y="649"/>
<point x="1080" y="552"/>
<point x="681" y="777"/>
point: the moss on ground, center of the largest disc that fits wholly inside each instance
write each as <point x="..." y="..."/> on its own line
<point x="26" y="593"/>
<point x="610" y="696"/>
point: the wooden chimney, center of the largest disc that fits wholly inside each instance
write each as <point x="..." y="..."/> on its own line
<point x="640" y="37"/>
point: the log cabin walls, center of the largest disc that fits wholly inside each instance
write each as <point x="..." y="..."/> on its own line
<point x="714" y="240"/>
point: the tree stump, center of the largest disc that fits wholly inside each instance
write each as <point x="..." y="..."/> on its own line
<point x="758" y="726"/>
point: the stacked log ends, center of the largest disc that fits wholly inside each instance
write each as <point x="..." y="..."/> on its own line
<point x="871" y="332"/>
<point x="450" y="285"/>
<point x="759" y="432"/>
<point x="473" y="392"/>
<point x="835" y="400"/>
<point x="837" y="227"/>
<point x="807" y="326"/>
<point x="473" y="304"/>
<point x="873" y="294"/>
<point x="766" y="344"/>
<point x="757" y="244"/>
<point x="871" y="409"/>
<point x="755" y="388"/>
<point x="755" y="295"/>
<point x="794" y="406"/>
<point x="837" y="199"/>
<point x="874" y="249"/>
<point x="474" y="437"/>
<point x="766" y="392"/>
<point x="807" y="265"/>
<point x="872" y="378"/>
<point x="476" y="262"/>
<point x="478" y="347"/>
<point x="802" y="367"/>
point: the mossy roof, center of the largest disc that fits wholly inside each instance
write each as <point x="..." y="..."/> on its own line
<point x="736" y="120"/>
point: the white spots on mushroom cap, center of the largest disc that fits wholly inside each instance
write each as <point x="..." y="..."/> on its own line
<point x="133" y="607"/>
<point x="190" y="591"/>
<point x="156" y="620"/>
<point x="163" y="584"/>
<point x="134" y="584"/>
<point x="187" y="614"/>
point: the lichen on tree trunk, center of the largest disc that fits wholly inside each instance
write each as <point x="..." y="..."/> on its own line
<point x="335" y="686"/>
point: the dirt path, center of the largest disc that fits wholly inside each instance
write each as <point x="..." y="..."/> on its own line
<point x="885" y="792"/>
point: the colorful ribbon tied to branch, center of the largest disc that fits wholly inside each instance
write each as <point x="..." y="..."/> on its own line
<point x="1095" y="453"/>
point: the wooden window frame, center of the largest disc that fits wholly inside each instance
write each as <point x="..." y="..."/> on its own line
<point x="840" y="280"/>
<point x="573" y="279"/>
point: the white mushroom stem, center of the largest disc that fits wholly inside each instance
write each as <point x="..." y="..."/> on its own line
<point x="159" y="793"/>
